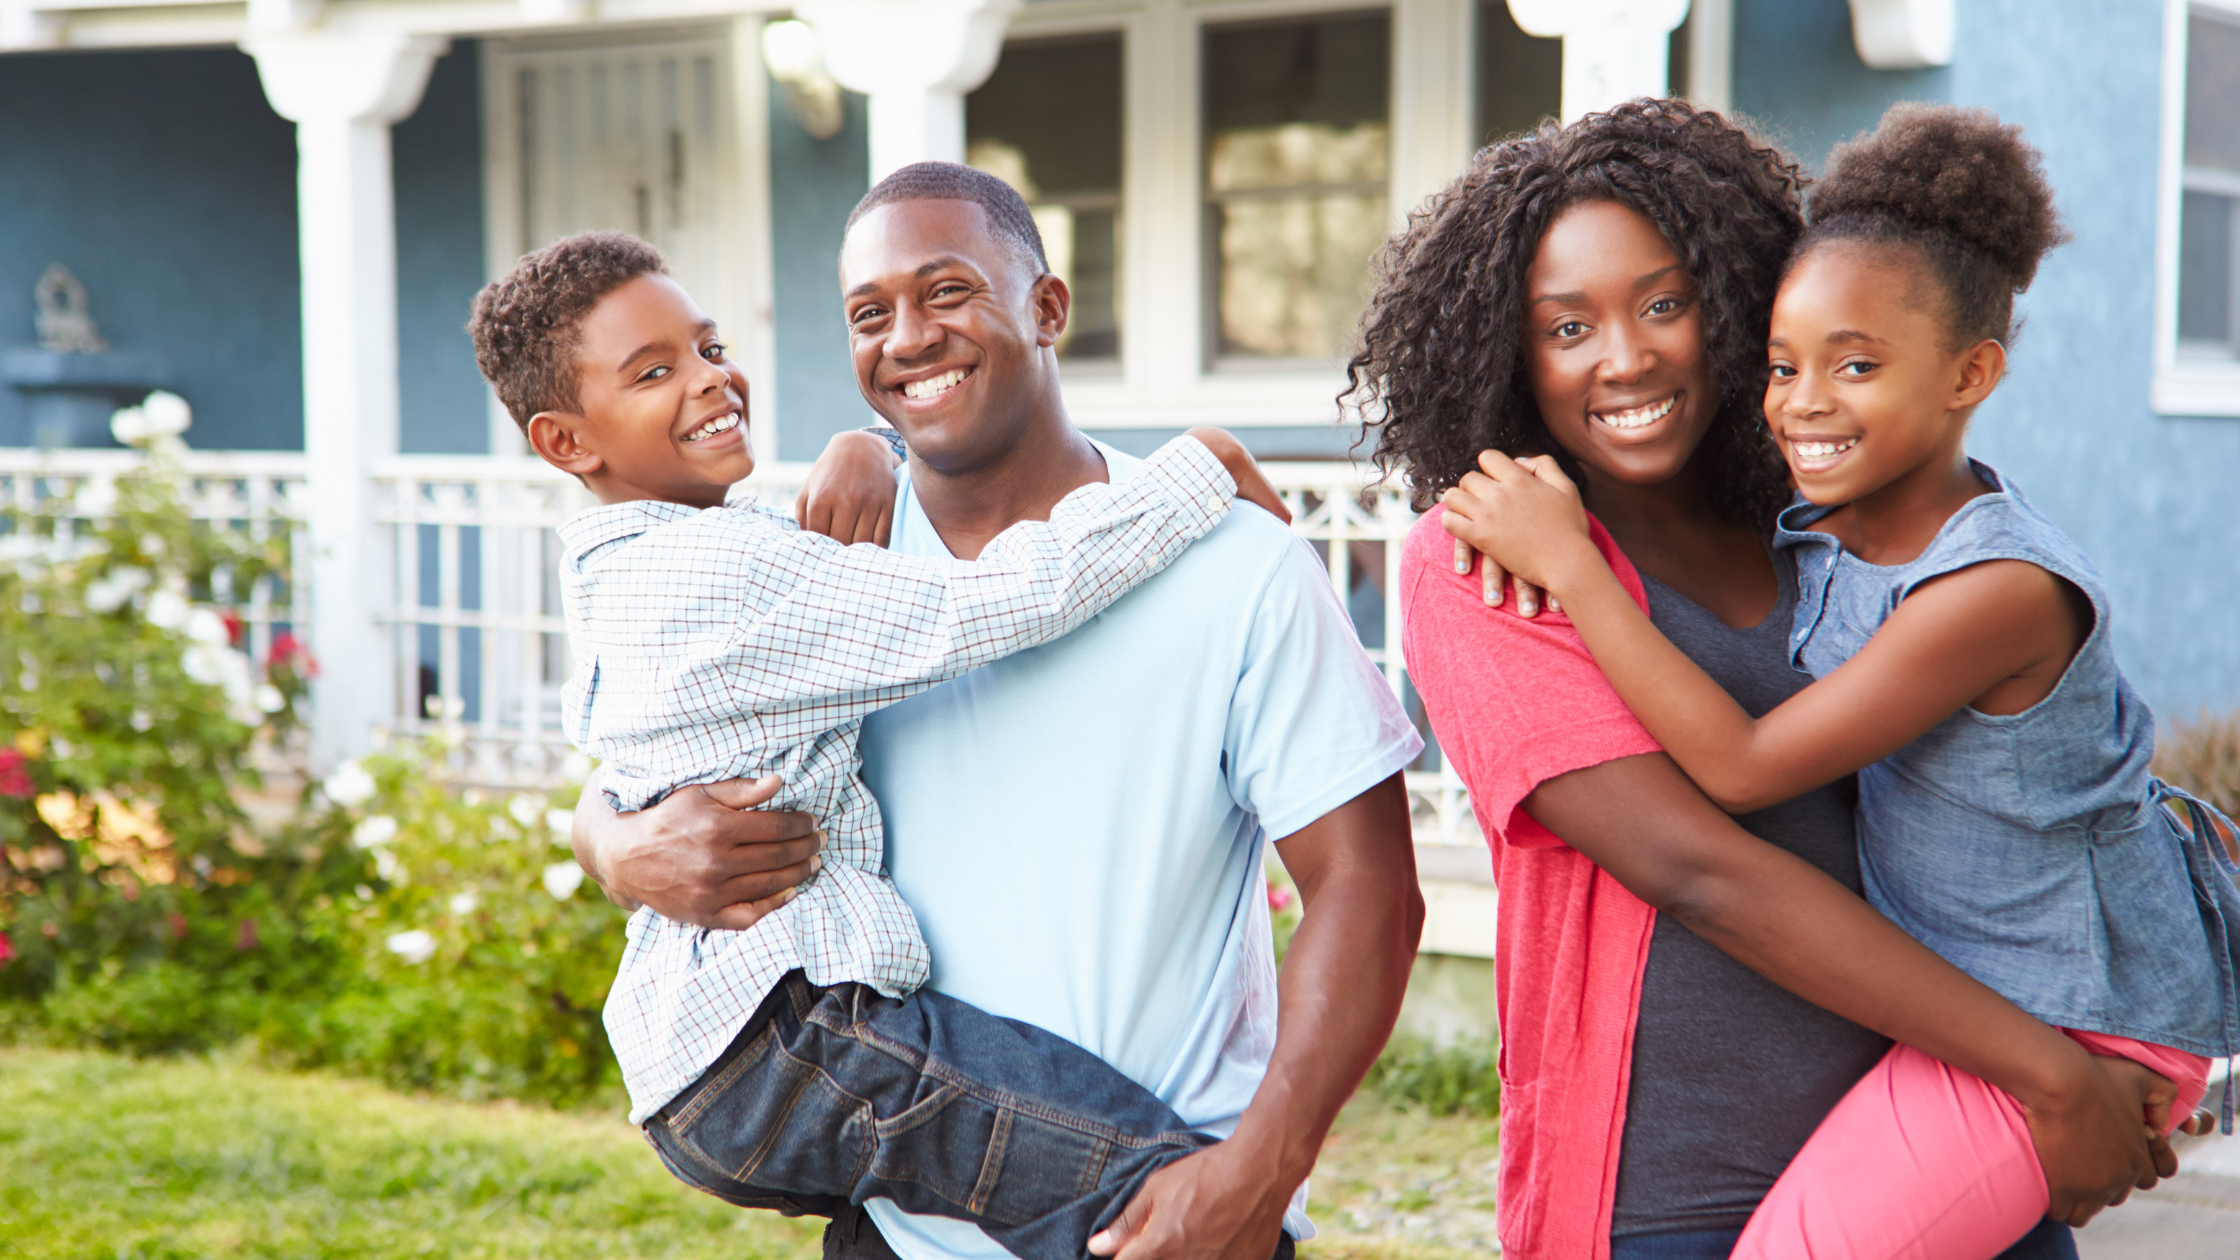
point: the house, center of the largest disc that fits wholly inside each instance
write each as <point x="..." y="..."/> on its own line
<point x="281" y="208"/>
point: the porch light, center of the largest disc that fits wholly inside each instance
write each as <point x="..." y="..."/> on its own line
<point x="795" y="57"/>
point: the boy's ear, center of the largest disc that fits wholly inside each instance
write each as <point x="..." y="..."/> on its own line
<point x="1982" y="366"/>
<point x="557" y="438"/>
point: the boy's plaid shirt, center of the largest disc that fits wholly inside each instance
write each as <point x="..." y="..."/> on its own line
<point x="728" y="643"/>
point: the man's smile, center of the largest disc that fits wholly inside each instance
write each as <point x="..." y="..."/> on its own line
<point x="934" y="386"/>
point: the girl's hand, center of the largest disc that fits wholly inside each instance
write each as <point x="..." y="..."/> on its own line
<point x="1525" y="517"/>
<point x="849" y="495"/>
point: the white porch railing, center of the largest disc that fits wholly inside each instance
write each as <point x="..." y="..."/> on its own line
<point x="472" y="628"/>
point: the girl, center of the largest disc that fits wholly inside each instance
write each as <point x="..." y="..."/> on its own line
<point x="1964" y="669"/>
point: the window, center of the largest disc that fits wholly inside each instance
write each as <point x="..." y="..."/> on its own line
<point x="2209" y="205"/>
<point x="1520" y="78"/>
<point x="1297" y="161"/>
<point x="1048" y="123"/>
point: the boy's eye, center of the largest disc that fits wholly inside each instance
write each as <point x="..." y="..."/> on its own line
<point x="715" y="352"/>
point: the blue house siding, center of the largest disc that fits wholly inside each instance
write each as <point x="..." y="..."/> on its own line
<point x="2150" y="498"/>
<point x="1797" y="73"/>
<point x="813" y="185"/>
<point x="442" y="403"/>
<point x="168" y="185"/>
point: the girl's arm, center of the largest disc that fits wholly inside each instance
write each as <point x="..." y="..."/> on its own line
<point x="1952" y="641"/>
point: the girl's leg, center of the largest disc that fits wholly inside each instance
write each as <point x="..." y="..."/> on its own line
<point x="1925" y="1162"/>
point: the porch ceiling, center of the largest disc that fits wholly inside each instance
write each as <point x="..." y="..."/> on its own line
<point x="31" y="25"/>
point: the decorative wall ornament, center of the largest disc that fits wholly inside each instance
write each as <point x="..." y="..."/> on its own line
<point x="65" y="318"/>
<point x="795" y="57"/>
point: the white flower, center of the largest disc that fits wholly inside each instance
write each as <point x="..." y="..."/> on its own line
<point x="464" y="903"/>
<point x="167" y="609"/>
<point x="205" y="626"/>
<point x="561" y="879"/>
<point x="379" y="829"/>
<point x="269" y="699"/>
<point x="204" y="664"/>
<point x="161" y="415"/>
<point x="525" y="807"/>
<point x="349" y="785"/>
<point x="414" y="947"/>
<point x="108" y="593"/>
<point x="577" y="767"/>
<point x="562" y="822"/>
<point x="97" y="497"/>
<point x="142" y="720"/>
<point x="385" y="865"/>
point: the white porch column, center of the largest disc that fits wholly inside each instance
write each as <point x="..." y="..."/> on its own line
<point x="1613" y="50"/>
<point x="342" y="92"/>
<point x="915" y="59"/>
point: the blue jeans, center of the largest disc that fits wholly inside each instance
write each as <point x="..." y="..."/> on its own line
<point x="833" y="1096"/>
<point x="2051" y="1240"/>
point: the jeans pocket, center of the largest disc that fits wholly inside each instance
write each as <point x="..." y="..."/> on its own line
<point x="787" y="1126"/>
<point x="989" y="1160"/>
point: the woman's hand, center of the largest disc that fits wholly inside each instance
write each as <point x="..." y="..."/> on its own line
<point x="1252" y="484"/>
<point x="706" y="855"/>
<point x="1524" y="516"/>
<point x="850" y="492"/>
<point x="2102" y="1138"/>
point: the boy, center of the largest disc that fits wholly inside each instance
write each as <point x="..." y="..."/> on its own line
<point x="719" y="641"/>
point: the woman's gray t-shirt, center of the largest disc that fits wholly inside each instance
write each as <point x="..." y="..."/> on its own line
<point x="1730" y="1073"/>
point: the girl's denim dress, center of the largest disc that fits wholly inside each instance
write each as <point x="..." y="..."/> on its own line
<point x="2034" y="850"/>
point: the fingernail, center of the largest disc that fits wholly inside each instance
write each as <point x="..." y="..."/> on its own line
<point x="791" y="893"/>
<point x="1461" y="556"/>
<point x="1554" y="604"/>
<point x="1492" y="588"/>
<point x="1527" y="606"/>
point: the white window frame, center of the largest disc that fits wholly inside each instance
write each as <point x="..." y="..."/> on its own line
<point x="2183" y="385"/>
<point x="742" y="301"/>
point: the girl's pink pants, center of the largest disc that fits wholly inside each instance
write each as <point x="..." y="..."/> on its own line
<point x="1925" y="1162"/>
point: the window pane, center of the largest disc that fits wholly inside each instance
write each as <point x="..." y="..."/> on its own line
<point x="1048" y="122"/>
<point x="2213" y="93"/>
<point x="1520" y="78"/>
<point x="1298" y="143"/>
<point x="2205" y="267"/>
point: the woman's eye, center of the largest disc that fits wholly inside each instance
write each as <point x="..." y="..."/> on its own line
<point x="1570" y="328"/>
<point x="1664" y="306"/>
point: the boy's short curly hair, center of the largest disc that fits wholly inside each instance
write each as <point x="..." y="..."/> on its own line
<point x="1962" y="190"/>
<point x="1441" y="372"/>
<point x="526" y="323"/>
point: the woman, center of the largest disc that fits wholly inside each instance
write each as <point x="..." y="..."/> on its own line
<point x="1600" y="293"/>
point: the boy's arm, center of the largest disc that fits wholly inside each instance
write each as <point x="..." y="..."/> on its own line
<point x="864" y="627"/>
<point x="850" y="492"/>
<point x="1952" y="640"/>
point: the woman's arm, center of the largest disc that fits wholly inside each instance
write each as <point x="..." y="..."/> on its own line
<point x="1953" y="640"/>
<point x="1640" y="819"/>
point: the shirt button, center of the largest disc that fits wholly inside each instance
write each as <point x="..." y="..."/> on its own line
<point x="1215" y="503"/>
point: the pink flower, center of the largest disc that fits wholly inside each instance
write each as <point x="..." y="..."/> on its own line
<point x="247" y="940"/>
<point x="7" y="949"/>
<point x="1278" y="898"/>
<point x="13" y="781"/>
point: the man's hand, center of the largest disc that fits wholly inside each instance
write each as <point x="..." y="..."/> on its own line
<point x="1252" y="484"/>
<point x="2103" y="1138"/>
<point x="705" y="855"/>
<point x="1223" y="1203"/>
<point x="849" y="494"/>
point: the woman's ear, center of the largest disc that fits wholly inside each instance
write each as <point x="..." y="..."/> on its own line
<point x="1982" y="366"/>
<point x="557" y="438"/>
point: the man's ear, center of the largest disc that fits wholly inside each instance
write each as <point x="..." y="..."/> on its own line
<point x="1982" y="366"/>
<point x="557" y="438"/>
<point x="1053" y="307"/>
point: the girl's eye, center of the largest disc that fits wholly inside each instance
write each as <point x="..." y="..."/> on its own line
<point x="1782" y="371"/>
<point x="1857" y="367"/>
<point x="656" y="372"/>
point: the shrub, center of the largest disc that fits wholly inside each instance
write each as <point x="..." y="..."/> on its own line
<point x="1442" y="1080"/>
<point x="2203" y="757"/>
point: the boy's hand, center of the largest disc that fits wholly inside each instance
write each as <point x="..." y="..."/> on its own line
<point x="705" y="855"/>
<point x="850" y="492"/>
<point x="1252" y="484"/>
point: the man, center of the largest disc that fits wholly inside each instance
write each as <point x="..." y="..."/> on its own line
<point x="1078" y="827"/>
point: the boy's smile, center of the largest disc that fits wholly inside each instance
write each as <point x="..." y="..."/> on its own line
<point x="661" y="409"/>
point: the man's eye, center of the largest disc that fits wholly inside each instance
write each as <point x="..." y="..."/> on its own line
<point x="863" y="314"/>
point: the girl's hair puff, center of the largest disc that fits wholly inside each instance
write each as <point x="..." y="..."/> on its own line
<point x="1958" y="187"/>
<point x="1441" y="373"/>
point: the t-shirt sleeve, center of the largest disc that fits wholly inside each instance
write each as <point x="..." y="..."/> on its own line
<point x="1312" y="723"/>
<point x="1513" y="702"/>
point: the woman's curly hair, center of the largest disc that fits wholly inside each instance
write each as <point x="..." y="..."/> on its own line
<point x="1963" y="190"/>
<point x="1441" y="373"/>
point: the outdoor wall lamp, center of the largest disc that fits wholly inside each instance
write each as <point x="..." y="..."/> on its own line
<point x="795" y="57"/>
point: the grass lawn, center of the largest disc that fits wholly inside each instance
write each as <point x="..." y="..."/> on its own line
<point x="141" y="1160"/>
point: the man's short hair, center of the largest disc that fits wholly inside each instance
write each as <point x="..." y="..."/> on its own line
<point x="1009" y="220"/>
<point x="527" y="324"/>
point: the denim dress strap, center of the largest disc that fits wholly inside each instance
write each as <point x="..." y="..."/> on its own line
<point x="2216" y="882"/>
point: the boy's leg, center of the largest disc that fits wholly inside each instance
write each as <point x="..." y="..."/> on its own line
<point x="844" y="1095"/>
<point x="1923" y="1161"/>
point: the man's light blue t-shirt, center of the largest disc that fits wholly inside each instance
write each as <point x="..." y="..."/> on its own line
<point x="1078" y="826"/>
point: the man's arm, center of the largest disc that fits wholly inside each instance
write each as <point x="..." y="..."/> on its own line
<point x="1341" y="985"/>
<point x="706" y="855"/>
<point x="1643" y="821"/>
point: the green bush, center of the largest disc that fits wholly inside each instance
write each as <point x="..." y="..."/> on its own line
<point x="2203" y="757"/>
<point x="1442" y="1080"/>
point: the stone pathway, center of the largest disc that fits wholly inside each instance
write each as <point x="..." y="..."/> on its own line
<point x="2193" y="1216"/>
